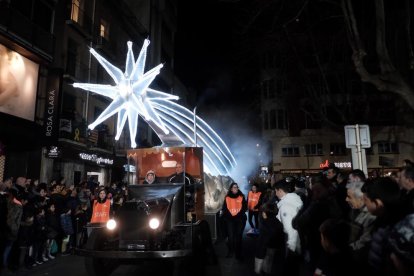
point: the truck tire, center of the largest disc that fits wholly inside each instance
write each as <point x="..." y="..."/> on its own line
<point x="98" y="266"/>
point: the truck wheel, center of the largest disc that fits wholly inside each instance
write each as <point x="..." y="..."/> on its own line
<point x="98" y="266"/>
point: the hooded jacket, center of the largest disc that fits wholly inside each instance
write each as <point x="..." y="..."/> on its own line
<point x="147" y="181"/>
<point x="289" y="205"/>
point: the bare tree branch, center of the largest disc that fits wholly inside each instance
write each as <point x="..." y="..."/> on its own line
<point x="389" y="79"/>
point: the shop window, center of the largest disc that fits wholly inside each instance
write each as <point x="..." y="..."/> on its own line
<point x="290" y="150"/>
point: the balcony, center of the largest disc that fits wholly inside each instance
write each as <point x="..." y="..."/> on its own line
<point x="75" y="132"/>
<point x="21" y="29"/>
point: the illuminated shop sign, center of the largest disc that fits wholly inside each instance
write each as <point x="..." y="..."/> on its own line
<point x="96" y="159"/>
<point x="53" y="152"/>
<point x="341" y="165"/>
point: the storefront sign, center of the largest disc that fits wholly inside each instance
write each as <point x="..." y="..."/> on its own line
<point x="53" y="152"/>
<point x="95" y="158"/>
<point x="340" y="165"/>
<point x="51" y="120"/>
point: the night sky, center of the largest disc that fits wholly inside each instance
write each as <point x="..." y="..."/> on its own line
<point x="205" y="51"/>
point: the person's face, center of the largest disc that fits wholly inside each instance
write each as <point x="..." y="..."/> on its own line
<point x="234" y="189"/>
<point x="52" y="208"/>
<point x="371" y="205"/>
<point x="102" y="194"/>
<point x="279" y="193"/>
<point x="179" y="168"/>
<point x="330" y="174"/>
<point x="353" y="178"/>
<point x="150" y="177"/>
<point x="354" y="201"/>
<point x="42" y="193"/>
<point x="254" y="188"/>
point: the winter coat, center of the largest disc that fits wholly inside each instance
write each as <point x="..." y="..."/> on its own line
<point x="289" y="205"/>
<point x="66" y="223"/>
<point x="270" y="236"/>
<point x="361" y="229"/>
<point x="14" y="216"/>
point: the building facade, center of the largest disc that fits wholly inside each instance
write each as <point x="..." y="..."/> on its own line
<point x="50" y="139"/>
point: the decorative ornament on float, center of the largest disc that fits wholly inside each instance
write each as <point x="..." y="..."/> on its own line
<point x="174" y="124"/>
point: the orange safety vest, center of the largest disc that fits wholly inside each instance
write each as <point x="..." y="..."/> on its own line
<point x="100" y="212"/>
<point x="234" y="205"/>
<point x="253" y="199"/>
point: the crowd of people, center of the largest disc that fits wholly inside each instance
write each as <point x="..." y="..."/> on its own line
<point x="42" y="221"/>
<point x="332" y="223"/>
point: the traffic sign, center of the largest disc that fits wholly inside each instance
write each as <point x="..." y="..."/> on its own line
<point x="357" y="135"/>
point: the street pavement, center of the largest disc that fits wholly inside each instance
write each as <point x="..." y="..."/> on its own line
<point x="73" y="265"/>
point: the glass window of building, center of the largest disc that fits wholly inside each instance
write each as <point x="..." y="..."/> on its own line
<point x="387" y="147"/>
<point x="313" y="149"/>
<point x="290" y="150"/>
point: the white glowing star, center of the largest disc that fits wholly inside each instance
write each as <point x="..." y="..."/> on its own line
<point x="174" y="124"/>
<point x="131" y="95"/>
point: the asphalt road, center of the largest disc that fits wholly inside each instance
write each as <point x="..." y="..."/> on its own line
<point x="73" y="265"/>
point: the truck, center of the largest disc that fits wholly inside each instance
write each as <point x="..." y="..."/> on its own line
<point x="159" y="222"/>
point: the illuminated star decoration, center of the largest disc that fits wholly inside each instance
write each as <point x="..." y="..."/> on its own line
<point x="131" y="97"/>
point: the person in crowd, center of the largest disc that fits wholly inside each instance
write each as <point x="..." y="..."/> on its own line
<point x="53" y="228"/>
<point x="289" y="205"/>
<point x="150" y="178"/>
<point x="114" y="190"/>
<point x="382" y="199"/>
<point x="336" y="260"/>
<point x="362" y="223"/>
<point x="407" y="185"/>
<point x="81" y="217"/>
<point x="332" y="174"/>
<point x="356" y="175"/>
<point x="101" y="207"/>
<point x="253" y="204"/>
<point x="14" y="215"/>
<point x="20" y="185"/>
<point x="40" y="236"/>
<point x="271" y="241"/>
<point x="234" y="214"/>
<point x="323" y="205"/>
<point x="401" y="241"/>
<point x="302" y="191"/>
<point x="25" y="238"/>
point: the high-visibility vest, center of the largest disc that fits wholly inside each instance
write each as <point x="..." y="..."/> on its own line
<point x="253" y="199"/>
<point x="100" y="212"/>
<point x="234" y="205"/>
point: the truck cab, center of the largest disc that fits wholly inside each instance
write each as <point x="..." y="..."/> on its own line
<point x="158" y="221"/>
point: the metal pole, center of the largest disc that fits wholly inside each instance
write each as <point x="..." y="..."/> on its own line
<point x="195" y="126"/>
<point x="358" y="140"/>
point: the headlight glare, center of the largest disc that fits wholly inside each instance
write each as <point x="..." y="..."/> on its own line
<point x="154" y="223"/>
<point x="111" y="224"/>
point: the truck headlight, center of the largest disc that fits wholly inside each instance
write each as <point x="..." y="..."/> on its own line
<point x="154" y="223"/>
<point x="111" y="224"/>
